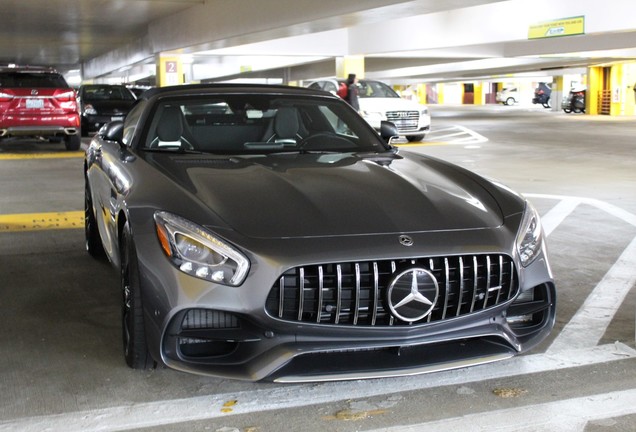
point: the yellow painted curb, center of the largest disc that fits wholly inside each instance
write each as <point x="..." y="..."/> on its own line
<point x="41" y="221"/>
<point x="18" y="156"/>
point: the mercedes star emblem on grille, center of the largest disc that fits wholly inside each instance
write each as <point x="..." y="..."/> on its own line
<point x="406" y="240"/>
<point x="412" y="294"/>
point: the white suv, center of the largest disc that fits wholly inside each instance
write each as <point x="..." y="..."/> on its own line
<point x="380" y="102"/>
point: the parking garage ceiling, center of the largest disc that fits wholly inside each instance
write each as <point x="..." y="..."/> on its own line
<point x="66" y="34"/>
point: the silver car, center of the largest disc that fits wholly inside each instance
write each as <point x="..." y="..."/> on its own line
<point x="269" y="232"/>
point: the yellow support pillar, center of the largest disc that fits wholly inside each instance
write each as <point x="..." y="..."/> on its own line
<point x="422" y="94"/>
<point x="440" y="93"/>
<point x="478" y="98"/>
<point x="630" y="88"/>
<point x="557" y="93"/>
<point x="594" y="89"/>
<point x="169" y="71"/>
<point x="618" y="96"/>
<point x="350" y="65"/>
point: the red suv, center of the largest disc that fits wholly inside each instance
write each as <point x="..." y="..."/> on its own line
<point x="37" y="102"/>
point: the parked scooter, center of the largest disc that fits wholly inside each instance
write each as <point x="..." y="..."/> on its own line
<point x="574" y="101"/>
<point x="542" y="95"/>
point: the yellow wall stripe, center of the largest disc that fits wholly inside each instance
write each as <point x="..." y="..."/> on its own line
<point x="41" y="221"/>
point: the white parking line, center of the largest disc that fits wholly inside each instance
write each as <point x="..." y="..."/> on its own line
<point x="569" y="415"/>
<point x="558" y="214"/>
<point x="467" y="136"/>
<point x="279" y="398"/>
<point x="587" y="326"/>
<point x="615" y="211"/>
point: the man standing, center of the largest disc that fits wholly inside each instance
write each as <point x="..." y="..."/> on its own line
<point x="352" y="92"/>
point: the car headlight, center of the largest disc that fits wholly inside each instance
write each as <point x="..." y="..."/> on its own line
<point x="530" y="236"/>
<point x="373" y="115"/>
<point x="196" y="252"/>
<point x="89" y="109"/>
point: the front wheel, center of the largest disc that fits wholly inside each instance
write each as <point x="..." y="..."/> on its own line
<point x="91" y="233"/>
<point x="72" y="142"/>
<point x="132" y="318"/>
<point x="510" y="101"/>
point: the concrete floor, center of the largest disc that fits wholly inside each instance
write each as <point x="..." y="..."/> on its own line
<point x="61" y="365"/>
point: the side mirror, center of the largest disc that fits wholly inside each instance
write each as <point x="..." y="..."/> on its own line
<point x="112" y="131"/>
<point x="388" y="130"/>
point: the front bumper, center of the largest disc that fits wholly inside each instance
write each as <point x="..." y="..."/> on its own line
<point x="253" y="351"/>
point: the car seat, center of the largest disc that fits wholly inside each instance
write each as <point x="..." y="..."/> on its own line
<point x="171" y="130"/>
<point x="286" y="126"/>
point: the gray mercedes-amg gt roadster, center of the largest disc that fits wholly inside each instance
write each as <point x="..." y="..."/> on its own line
<point x="269" y="233"/>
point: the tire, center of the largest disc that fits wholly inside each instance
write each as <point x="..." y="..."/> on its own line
<point x="91" y="233"/>
<point x="132" y="316"/>
<point x="547" y="104"/>
<point x="567" y="110"/>
<point x="415" y="138"/>
<point x="72" y="142"/>
<point x="510" y="101"/>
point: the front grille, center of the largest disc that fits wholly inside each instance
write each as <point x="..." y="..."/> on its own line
<point x="355" y="293"/>
<point x="405" y="121"/>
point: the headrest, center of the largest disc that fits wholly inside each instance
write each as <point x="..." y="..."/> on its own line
<point x="286" y="123"/>
<point x="170" y="127"/>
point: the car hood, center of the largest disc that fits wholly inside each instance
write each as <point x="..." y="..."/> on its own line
<point x="388" y="104"/>
<point x="307" y="195"/>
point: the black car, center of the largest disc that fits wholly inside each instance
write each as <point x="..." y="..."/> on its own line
<point x="102" y="103"/>
<point x="269" y="232"/>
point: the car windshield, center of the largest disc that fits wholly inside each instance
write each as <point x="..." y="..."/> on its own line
<point x="106" y="92"/>
<point x="258" y="124"/>
<point x="32" y="80"/>
<point x="375" y="89"/>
